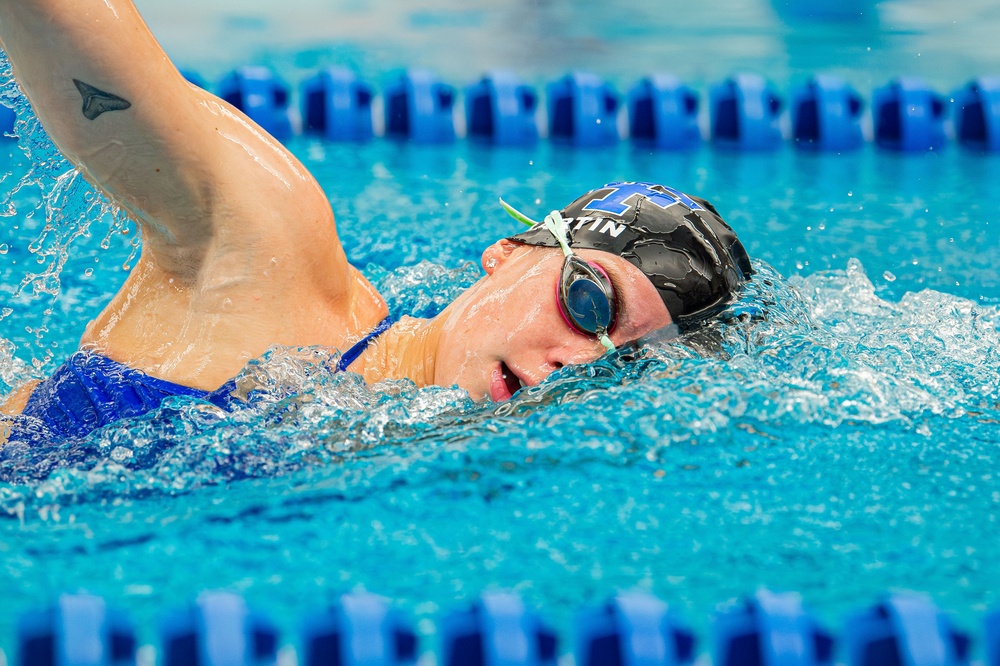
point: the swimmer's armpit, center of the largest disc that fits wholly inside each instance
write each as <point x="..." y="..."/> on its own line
<point x="96" y="101"/>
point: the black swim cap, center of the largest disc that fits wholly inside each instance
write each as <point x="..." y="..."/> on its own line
<point x="679" y="242"/>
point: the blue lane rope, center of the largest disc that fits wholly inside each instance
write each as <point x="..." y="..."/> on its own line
<point x="745" y="112"/>
<point x="499" y="629"/>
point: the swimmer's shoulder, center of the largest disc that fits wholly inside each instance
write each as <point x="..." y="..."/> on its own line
<point x="13" y="405"/>
<point x="16" y="400"/>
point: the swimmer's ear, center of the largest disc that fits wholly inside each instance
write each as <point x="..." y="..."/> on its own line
<point x="498" y="253"/>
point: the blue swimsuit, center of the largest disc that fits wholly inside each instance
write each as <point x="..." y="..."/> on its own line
<point x="89" y="391"/>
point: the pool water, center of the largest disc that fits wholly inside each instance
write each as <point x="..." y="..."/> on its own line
<point x="835" y="435"/>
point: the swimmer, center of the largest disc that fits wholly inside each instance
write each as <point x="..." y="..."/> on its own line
<point x="240" y="251"/>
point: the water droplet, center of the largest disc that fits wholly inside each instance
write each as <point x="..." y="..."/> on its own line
<point x="89" y="272"/>
<point x="850" y="194"/>
<point x="4" y="248"/>
<point x="889" y="277"/>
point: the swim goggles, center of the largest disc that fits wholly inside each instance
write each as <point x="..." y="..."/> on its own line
<point x="584" y="292"/>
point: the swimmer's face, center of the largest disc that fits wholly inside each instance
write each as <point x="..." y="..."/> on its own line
<point x="507" y="330"/>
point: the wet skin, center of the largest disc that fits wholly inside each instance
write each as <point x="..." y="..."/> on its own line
<point x="240" y="248"/>
<point x="510" y="323"/>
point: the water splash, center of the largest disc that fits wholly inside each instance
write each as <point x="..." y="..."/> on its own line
<point x="822" y="352"/>
<point x="424" y="289"/>
<point x="64" y="209"/>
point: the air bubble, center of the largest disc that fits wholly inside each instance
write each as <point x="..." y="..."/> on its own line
<point x="889" y="277"/>
<point x="121" y="454"/>
<point x="4" y="248"/>
<point x="89" y="272"/>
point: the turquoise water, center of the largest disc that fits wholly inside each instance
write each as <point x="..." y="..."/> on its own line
<point x="836" y="435"/>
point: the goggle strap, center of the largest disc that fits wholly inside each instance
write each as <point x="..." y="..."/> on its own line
<point x="556" y="225"/>
<point x="517" y="215"/>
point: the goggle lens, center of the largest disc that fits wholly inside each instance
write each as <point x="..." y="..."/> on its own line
<point x="586" y="297"/>
<point x="584" y="292"/>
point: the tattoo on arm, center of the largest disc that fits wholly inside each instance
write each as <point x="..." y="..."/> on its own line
<point x="96" y="102"/>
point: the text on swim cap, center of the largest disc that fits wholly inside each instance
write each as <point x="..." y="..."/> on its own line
<point x="610" y="228"/>
<point x="615" y="201"/>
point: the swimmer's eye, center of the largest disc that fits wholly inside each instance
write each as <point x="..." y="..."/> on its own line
<point x="584" y="292"/>
<point x="586" y="297"/>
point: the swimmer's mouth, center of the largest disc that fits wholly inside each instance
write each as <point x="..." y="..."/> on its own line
<point x="511" y="381"/>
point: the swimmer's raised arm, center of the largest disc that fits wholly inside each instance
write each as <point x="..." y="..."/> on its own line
<point x="185" y="164"/>
<point x="239" y="248"/>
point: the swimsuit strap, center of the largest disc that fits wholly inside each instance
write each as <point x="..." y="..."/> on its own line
<point x="361" y="345"/>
